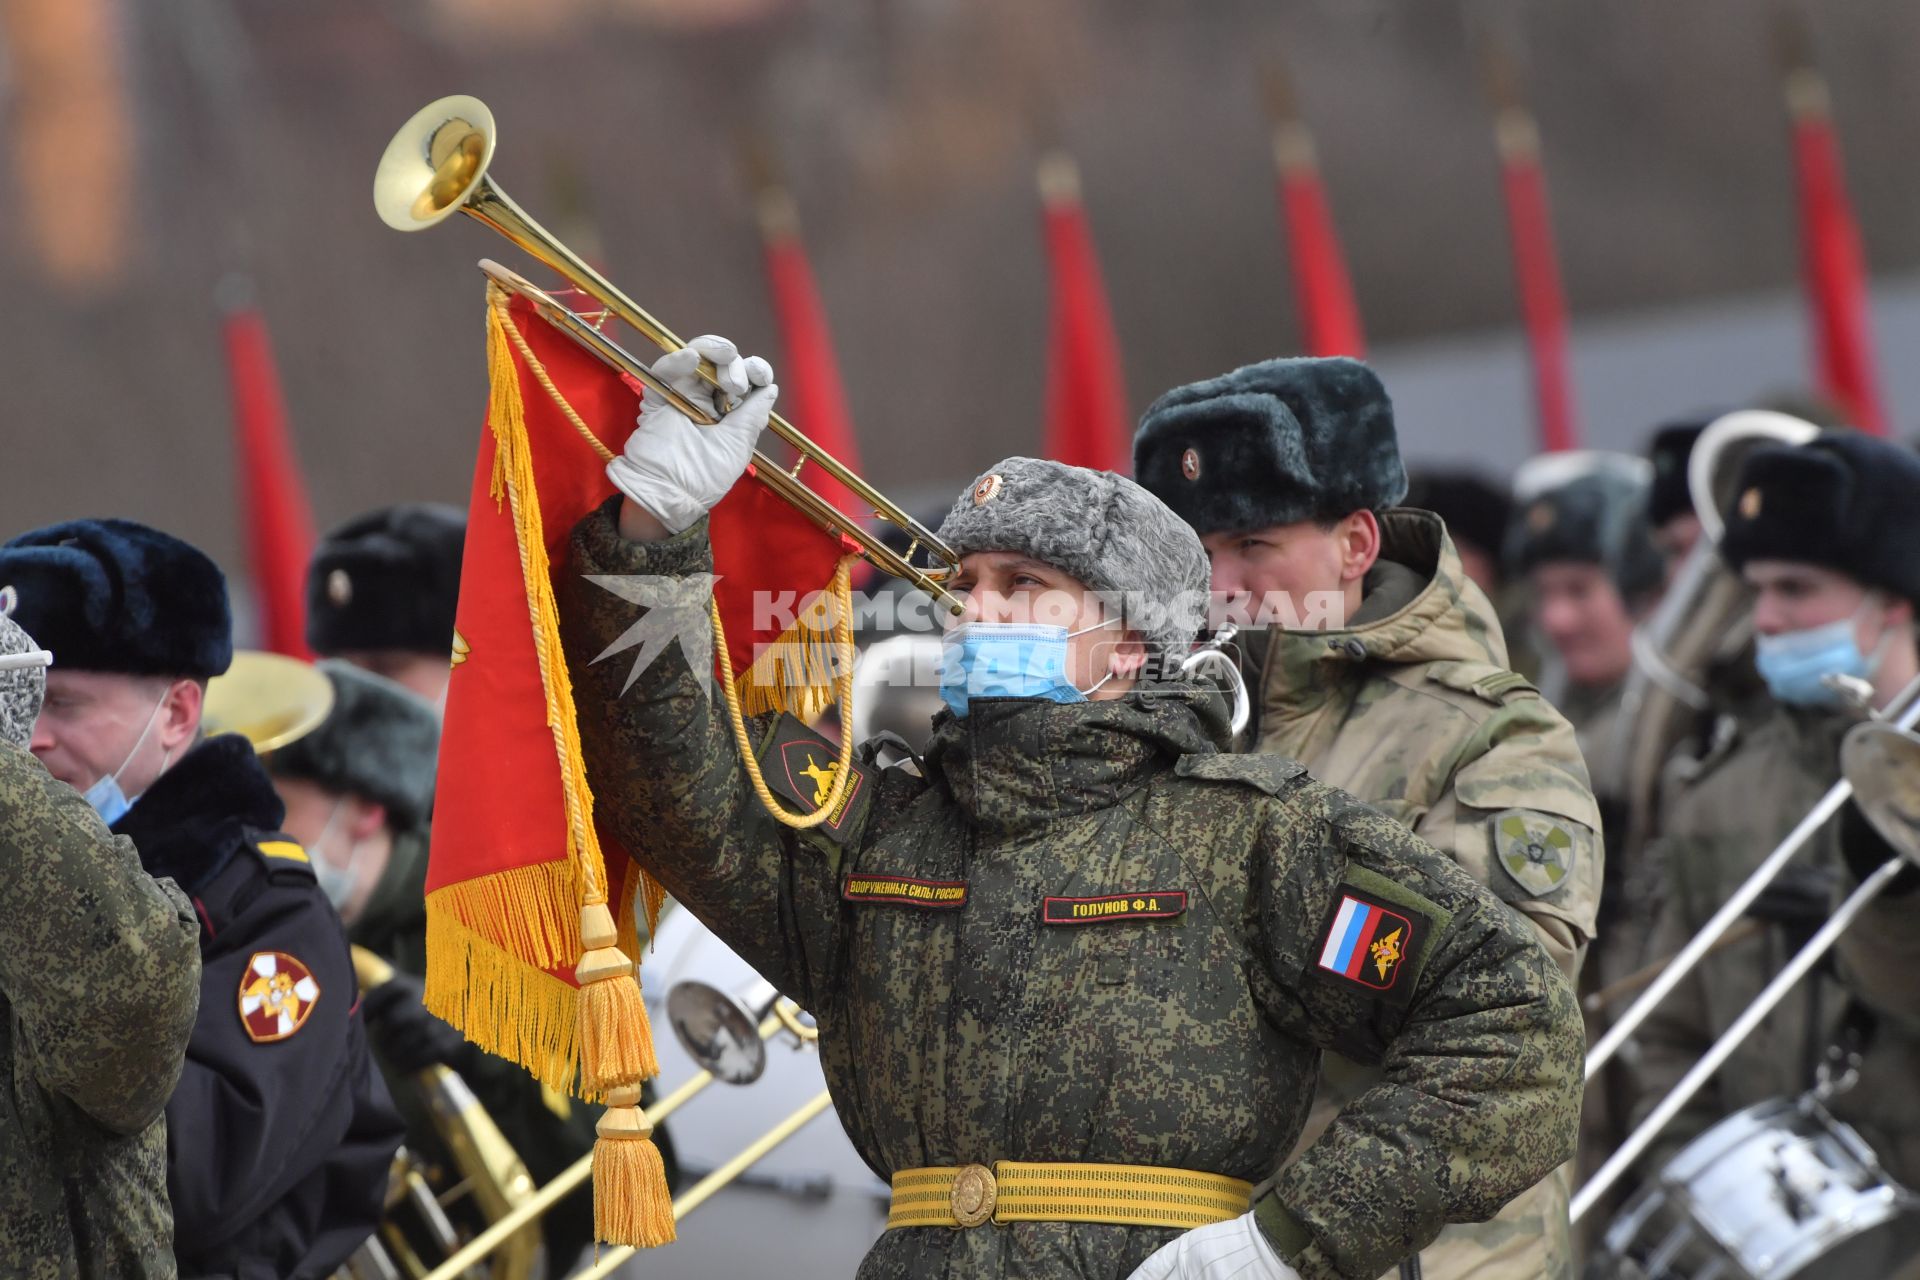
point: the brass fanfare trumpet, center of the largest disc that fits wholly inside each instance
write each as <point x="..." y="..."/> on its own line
<point x="437" y="165"/>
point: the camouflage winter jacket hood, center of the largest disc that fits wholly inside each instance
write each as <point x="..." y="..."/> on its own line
<point x="1412" y="709"/>
<point x="1079" y="933"/>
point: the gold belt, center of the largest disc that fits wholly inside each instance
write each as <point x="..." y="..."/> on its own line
<point x="1134" y="1195"/>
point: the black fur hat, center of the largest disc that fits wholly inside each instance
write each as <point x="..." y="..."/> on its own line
<point x="119" y="597"/>
<point x="1601" y="519"/>
<point x="1475" y="510"/>
<point x="1669" y="451"/>
<point x="379" y="742"/>
<point x="387" y="580"/>
<point x="1844" y="501"/>
<point x="1273" y="443"/>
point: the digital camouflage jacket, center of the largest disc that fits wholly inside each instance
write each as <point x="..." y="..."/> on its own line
<point x="1081" y="933"/>
<point x="99" y="983"/>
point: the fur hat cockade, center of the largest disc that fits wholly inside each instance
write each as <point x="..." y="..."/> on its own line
<point x="1099" y="528"/>
<point x="379" y="742"/>
<point x="1273" y="443"/>
<point x="1844" y="501"/>
<point x="389" y="579"/>
<point x="119" y="597"/>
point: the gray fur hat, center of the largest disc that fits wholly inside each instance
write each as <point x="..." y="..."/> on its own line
<point x="21" y="688"/>
<point x="380" y="742"/>
<point x="1273" y="443"/>
<point x="1102" y="529"/>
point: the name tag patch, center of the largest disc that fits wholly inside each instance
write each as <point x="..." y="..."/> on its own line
<point x="1368" y="941"/>
<point x="1156" y="904"/>
<point x="904" y="891"/>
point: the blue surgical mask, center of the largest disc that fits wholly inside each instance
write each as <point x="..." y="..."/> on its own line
<point x="1008" y="660"/>
<point x="1794" y="662"/>
<point x="336" y="882"/>
<point x="106" y="797"/>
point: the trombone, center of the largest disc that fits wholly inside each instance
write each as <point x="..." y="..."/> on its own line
<point x="437" y="165"/>
<point x="1881" y="763"/>
<point x="768" y="1014"/>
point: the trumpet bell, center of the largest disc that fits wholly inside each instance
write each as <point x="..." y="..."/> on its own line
<point x="1882" y="762"/>
<point x="268" y="699"/>
<point x="721" y="1032"/>
<point x="434" y="163"/>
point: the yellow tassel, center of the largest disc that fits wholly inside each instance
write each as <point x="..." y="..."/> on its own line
<point x="631" y="1204"/>
<point x="616" y="1044"/>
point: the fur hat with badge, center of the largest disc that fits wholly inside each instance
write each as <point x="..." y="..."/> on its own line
<point x="1599" y="518"/>
<point x="379" y="742"/>
<point x="1099" y="528"/>
<point x="1844" y="501"/>
<point x="1670" y="450"/>
<point x="389" y="579"/>
<point x="1273" y="443"/>
<point x="116" y="596"/>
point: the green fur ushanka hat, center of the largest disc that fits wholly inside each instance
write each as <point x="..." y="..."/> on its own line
<point x="380" y="742"/>
<point x="1273" y="443"/>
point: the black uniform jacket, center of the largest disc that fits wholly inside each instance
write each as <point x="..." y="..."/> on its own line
<point x="280" y="1133"/>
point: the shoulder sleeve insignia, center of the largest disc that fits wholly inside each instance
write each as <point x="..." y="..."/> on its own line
<point x="1537" y="850"/>
<point x="277" y="993"/>
<point x="799" y="766"/>
<point x="1368" y="942"/>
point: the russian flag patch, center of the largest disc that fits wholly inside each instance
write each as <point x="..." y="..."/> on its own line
<point x="1369" y="941"/>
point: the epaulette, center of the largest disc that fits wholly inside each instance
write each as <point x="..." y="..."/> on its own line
<point x="283" y="858"/>
<point x="1273" y="774"/>
<point x="1483" y="680"/>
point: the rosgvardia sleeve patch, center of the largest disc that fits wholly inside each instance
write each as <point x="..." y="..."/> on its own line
<point x="800" y="765"/>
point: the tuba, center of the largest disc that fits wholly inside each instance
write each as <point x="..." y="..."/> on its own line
<point x="1702" y="619"/>
<point x="437" y="165"/>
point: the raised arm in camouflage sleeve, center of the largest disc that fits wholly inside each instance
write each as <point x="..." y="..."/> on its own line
<point x="703" y="831"/>
<point x="1475" y="1029"/>
<point x="98" y="961"/>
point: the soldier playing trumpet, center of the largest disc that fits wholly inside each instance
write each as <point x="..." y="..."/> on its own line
<point x="1073" y="973"/>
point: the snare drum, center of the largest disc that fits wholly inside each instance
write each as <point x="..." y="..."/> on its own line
<point x="1769" y="1193"/>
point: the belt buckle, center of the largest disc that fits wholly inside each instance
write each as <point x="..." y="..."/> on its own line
<point x="973" y="1194"/>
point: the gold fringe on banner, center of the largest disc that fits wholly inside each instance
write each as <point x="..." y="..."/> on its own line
<point x="614" y="1041"/>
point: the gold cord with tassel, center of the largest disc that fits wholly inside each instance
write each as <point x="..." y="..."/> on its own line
<point x="631" y="1202"/>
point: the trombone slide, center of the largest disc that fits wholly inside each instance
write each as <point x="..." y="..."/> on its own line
<point x="1776" y="991"/>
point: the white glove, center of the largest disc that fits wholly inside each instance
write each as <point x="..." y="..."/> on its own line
<point x="1233" y="1250"/>
<point x="676" y="468"/>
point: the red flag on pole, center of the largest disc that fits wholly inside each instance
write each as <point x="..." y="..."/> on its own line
<point x="274" y="511"/>
<point x="529" y="904"/>
<point x="1323" y="291"/>
<point x="1833" y="268"/>
<point x="810" y="374"/>
<point x="1087" y="420"/>
<point x="1536" y="272"/>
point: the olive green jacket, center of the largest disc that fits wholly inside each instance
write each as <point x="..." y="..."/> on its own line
<point x="99" y="986"/>
<point x="1725" y="814"/>
<point x="1080" y="933"/>
<point x="1411" y="708"/>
